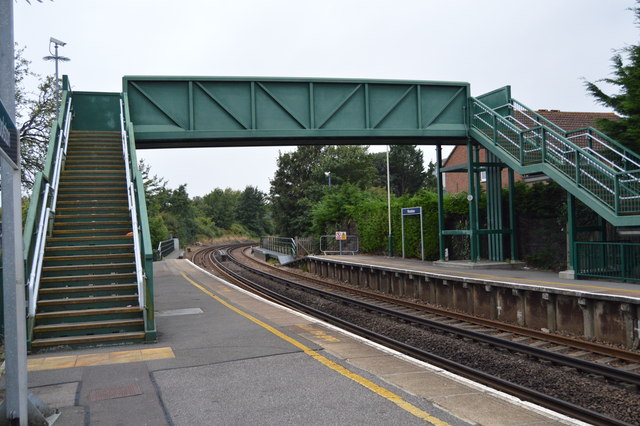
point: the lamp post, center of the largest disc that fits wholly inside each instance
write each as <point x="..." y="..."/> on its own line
<point x="328" y="175"/>
<point x="57" y="58"/>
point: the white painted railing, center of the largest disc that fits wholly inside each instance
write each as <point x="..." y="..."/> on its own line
<point x="131" y="197"/>
<point x="48" y="207"/>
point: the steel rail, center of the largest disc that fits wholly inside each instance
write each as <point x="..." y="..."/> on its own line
<point x="519" y="391"/>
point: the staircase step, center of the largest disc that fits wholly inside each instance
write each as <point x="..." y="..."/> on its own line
<point x="93" y="171"/>
<point x="91" y="340"/>
<point x="96" y="249"/>
<point x="84" y="201"/>
<point x="93" y="209"/>
<point x="87" y="259"/>
<point x="91" y="225"/>
<point x="96" y="290"/>
<point x="100" y="196"/>
<point x="73" y="303"/>
<point x="59" y="270"/>
<point x="126" y="277"/>
<point x="83" y="315"/>
<point x="82" y="179"/>
<point x="79" y="156"/>
<point x="88" y="328"/>
<point x="89" y="217"/>
<point x="87" y="325"/>
<point x="91" y="231"/>
<point x="91" y="240"/>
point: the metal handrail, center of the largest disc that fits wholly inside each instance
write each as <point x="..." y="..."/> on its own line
<point x="283" y="245"/>
<point x="48" y="207"/>
<point x="133" y="212"/>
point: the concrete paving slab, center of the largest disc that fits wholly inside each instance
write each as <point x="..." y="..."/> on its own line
<point x="143" y="408"/>
<point x="283" y="390"/>
<point x="481" y="409"/>
<point x="383" y="365"/>
<point x="57" y="396"/>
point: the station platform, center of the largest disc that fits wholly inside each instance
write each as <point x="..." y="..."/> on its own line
<point x="224" y="356"/>
<point x="487" y="271"/>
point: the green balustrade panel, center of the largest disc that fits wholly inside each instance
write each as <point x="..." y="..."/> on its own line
<point x="96" y="111"/>
<point x="224" y="112"/>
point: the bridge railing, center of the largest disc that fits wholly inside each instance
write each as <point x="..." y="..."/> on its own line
<point x="618" y="190"/>
<point x="283" y="245"/>
<point x="43" y="201"/>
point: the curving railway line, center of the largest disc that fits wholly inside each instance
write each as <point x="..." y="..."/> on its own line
<point x="538" y="367"/>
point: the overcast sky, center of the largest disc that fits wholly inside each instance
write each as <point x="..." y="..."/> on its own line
<point x="543" y="49"/>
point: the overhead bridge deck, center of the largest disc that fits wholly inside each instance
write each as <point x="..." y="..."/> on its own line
<point x="603" y="310"/>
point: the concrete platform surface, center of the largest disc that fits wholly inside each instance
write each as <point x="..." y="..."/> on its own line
<point x="485" y="271"/>
<point x="225" y="357"/>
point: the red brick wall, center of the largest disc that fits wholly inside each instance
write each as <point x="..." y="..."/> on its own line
<point x="458" y="182"/>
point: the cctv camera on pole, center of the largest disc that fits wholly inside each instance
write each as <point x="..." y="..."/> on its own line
<point x="57" y="58"/>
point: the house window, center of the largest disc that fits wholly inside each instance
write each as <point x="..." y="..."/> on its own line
<point x="483" y="176"/>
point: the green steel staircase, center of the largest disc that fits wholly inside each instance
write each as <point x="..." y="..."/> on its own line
<point x="88" y="290"/>
<point x="90" y="282"/>
<point x="589" y="165"/>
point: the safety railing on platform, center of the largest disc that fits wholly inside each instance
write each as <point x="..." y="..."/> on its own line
<point x="545" y="143"/>
<point x="145" y="254"/>
<point x="43" y="200"/>
<point x="329" y="245"/>
<point x="166" y="247"/>
<point x="282" y="245"/>
<point x="618" y="261"/>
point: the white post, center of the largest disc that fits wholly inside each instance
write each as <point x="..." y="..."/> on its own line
<point x="15" y="344"/>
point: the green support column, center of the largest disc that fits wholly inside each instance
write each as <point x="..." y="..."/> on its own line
<point x="494" y="207"/>
<point x="473" y="203"/>
<point x="512" y="216"/>
<point x="441" y="242"/>
<point x="572" y="266"/>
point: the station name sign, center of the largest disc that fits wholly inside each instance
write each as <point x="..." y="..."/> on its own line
<point x="408" y="211"/>
<point x="8" y="135"/>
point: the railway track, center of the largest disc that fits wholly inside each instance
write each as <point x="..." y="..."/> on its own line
<point x="468" y="330"/>
<point x="619" y="358"/>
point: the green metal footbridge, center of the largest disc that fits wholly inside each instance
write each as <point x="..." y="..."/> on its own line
<point x="87" y="245"/>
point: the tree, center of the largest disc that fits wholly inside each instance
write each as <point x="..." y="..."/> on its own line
<point x="431" y="180"/>
<point x="251" y="211"/>
<point x="348" y="164"/>
<point x="406" y="167"/>
<point x="220" y="206"/>
<point x="295" y="188"/>
<point x="34" y="116"/>
<point x="626" y="103"/>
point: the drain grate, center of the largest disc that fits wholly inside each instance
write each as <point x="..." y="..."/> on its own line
<point x="113" y="393"/>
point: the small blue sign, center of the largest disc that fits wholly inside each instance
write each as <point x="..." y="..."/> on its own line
<point x="411" y="211"/>
<point x="8" y="135"/>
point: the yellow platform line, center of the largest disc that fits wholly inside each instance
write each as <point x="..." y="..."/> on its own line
<point x="106" y="358"/>
<point x="524" y="281"/>
<point x="385" y="393"/>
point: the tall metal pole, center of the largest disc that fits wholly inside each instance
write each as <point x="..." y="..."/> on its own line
<point x="57" y="82"/>
<point x="389" y="237"/>
<point x="15" y="404"/>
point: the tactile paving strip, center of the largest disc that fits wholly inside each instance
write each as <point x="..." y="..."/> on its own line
<point x="113" y="393"/>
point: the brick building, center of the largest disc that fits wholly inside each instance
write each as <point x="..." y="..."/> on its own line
<point x="457" y="182"/>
